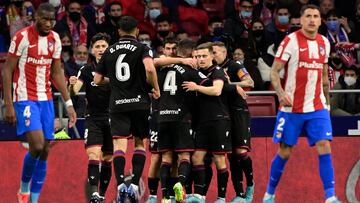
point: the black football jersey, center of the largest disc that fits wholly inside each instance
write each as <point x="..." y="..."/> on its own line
<point x="123" y="64"/>
<point x="175" y="103"/>
<point x="97" y="96"/>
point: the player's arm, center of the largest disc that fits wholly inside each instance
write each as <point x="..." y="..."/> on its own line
<point x="7" y="75"/>
<point x="152" y="76"/>
<point x="75" y="85"/>
<point x="326" y="85"/>
<point x="214" y="90"/>
<point x="164" y="61"/>
<point x="277" y="66"/>
<point x="246" y="81"/>
<point x="57" y="74"/>
<point x="99" y="79"/>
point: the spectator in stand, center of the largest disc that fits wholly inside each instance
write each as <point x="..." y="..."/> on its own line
<point x="279" y="27"/>
<point x="338" y="29"/>
<point x="164" y="30"/>
<point x="336" y="64"/>
<point x="81" y="31"/>
<point x="181" y="35"/>
<point x="59" y="6"/>
<point x="81" y="56"/>
<point x="4" y="29"/>
<point x="356" y="22"/>
<point x="326" y="6"/>
<point x="294" y="23"/>
<point x="238" y="26"/>
<point x="67" y="48"/>
<point x="192" y="17"/>
<point x="265" y="11"/>
<point x="27" y="14"/>
<point x="346" y="104"/>
<point x="94" y="13"/>
<point x="110" y="24"/>
<point x="144" y="38"/>
<point x="153" y="9"/>
<point x="215" y="30"/>
<point x="257" y="41"/>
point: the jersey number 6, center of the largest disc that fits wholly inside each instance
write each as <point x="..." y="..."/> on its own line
<point x="122" y="69"/>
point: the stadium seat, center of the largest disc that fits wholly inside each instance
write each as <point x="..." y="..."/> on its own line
<point x="261" y="105"/>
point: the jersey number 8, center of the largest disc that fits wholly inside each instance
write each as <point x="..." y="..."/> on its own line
<point x="122" y="69"/>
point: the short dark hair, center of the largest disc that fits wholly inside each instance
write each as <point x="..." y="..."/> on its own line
<point x="308" y="6"/>
<point x="162" y="18"/>
<point x="206" y="45"/>
<point x="127" y="24"/>
<point x="219" y="44"/>
<point x="114" y="3"/>
<point x="352" y="68"/>
<point x="215" y="19"/>
<point x="169" y="40"/>
<point x="45" y="7"/>
<point x="332" y="12"/>
<point x="100" y="36"/>
<point x="185" y="45"/>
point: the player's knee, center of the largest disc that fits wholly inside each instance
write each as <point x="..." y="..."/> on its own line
<point x="107" y="157"/>
<point x="184" y="156"/>
<point x="220" y="161"/>
<point x="323" y="147"/>
<point x="197" y="158"/>
<point x="285" y="150"/>
<point x="166" y="157"/>
<point x="93" y="155"/>
<point x="37" y="149"/>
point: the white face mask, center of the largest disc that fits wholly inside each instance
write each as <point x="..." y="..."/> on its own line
<point x="80" y="62"/>
<point x="147" y="43"/>
<point x="55" y="3"/>
<point x="98" y="2"/>
<point x="349" y="80"/>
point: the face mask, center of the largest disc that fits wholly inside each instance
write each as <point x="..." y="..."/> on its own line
<point x="258" y="33"/>
<point x="218" y="31"/>
<point x="163" y="33"/>
<point x="191" y="2"/>
<point x="98" y="2"/>
<point x="147" y="43"/>
<point x="66" y="48"/>
<point x="55" y="3"/>
<point x="294" y="28"/>
<point x="246" y="14"/>
<point x="270" y="6"/>
<point x="115" y="18"/>
<point x="349" y="80"/>
<point x="80" y="62"/>
<point x="283" y="20"/>
<point x="332" y="25"/>
<point x="74" y="16"/>
<point x="336" y="61"/>
<point x="154" y="13"/>
<point x="65" y="58"/>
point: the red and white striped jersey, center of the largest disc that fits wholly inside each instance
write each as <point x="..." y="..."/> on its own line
<point x="304" y="60"/>
<point x="31" y="77"/>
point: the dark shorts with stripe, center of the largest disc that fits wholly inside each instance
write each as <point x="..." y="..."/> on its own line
<point x="213" y="136"/>
<point x="240" y="129"/>
<point x="97" y="133"/>
<point x="175" y="136"/>
<point x="131" y="123"/>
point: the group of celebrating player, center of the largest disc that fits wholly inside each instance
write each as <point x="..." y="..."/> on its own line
<point x="198" y="111"/>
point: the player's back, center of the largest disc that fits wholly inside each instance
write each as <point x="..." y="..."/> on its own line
<point x="123" y="64"/>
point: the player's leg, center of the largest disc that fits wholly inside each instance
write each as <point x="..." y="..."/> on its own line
<point x="236" y="178"/>
<point x="93" y="172"/>
<point x="184" y="169"/>
<point x="208" y="161"/>
<point x="153" y="177"/>
<point x="165" y="169"/>
<point x="107" y="158"/>
<point x="198" y="171"/>
<point x="319" y="132"/>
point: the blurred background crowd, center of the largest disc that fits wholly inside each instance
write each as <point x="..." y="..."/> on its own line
<point x="251" y="29"/>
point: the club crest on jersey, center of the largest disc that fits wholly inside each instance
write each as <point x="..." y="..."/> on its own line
<point x="322" y="50"/>
<point x="278" y="134"/>
<point x="27" y="122"/>
<point x="51" y="46"/>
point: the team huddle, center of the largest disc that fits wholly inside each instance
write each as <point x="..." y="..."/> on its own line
<point x="190" y="103"/>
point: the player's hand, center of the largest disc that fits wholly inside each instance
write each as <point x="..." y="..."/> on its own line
<point x="155" y="93"/>
<point x="72" y="116"/>
<point x="285" y="100"/>
<point x="189" y="86"/>
<point x="72" y="80"/>
<point x="190" y="62"/>
<point x="241" y="92"/>
<point x="10" y="116"/>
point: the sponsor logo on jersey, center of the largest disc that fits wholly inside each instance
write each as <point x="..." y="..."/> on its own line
<point x="303" y="64"/>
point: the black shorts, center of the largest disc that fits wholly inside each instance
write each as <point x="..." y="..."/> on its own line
<point x="97" y="133"/>
<point x="131" y="123"/>
<point x="213" y="136"/>
<point x="175" y="136"/>
<point x="153" y="133"/>
<point x="240" y="129"/>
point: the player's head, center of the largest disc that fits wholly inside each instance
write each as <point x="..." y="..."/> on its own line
<point x="169" y="45"/>
<point x="99" y="43"/>
<point x="310" y="18"/>
<point x="185" y="48"/>
<point x="220" y="52"/>
<point x="128" y="26"/>
<point x="204" y="55"/>
<point x="45" y="18"/>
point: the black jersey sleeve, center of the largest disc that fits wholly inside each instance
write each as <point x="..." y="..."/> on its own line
<point x="81" y="74"/>
<point x="218" y="74"/>
<point x="101" y="66"/>
<point x="147" y="52"/>
<point x="195" y="76"/>
<point x="229" y="88"/>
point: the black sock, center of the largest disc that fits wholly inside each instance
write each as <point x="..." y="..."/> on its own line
<point x="138" y="162"/>
<point x="222" y="178"/>
<point x="236" y="175"/>
<point x="119" y="165"/>
<point x="184" y="171"/>
<point x="172" y="182"/>
<point x="93" y="175"/>
<point x="105" y="177"/>
<point x="199" y="179"/>
<point x="189" y="182"/>
<point x="165" y="178"/>
<point x="208" y="172"/>
<point x="153" y="185"/>
<point x="246" y="163"/>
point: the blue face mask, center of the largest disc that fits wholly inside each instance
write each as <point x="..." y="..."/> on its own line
<point x="191" y="2"/>
<point x="283" y="20"/>
<point x="246" y="14"/>
<point x="154" y="13"/>
<point x="332" y="25"/>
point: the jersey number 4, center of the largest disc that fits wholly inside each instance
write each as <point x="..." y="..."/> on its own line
<point x="170" y="82"/>
<point x="122" y="69"/>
